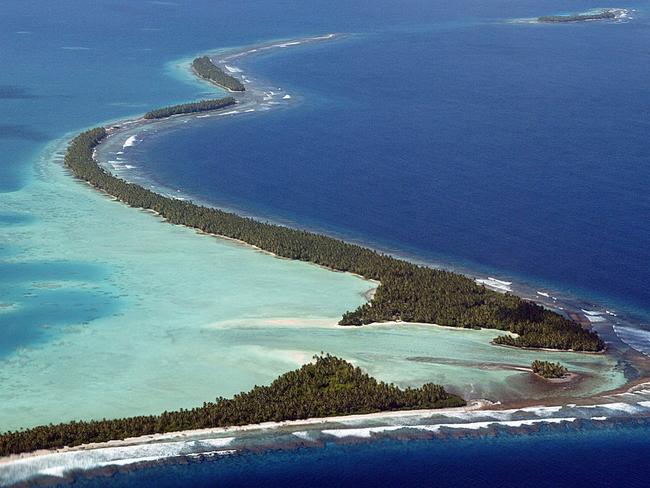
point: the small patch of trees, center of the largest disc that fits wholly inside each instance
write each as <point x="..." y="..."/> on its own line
<point x="206" y="69"/>
<point x="546" y="369"/>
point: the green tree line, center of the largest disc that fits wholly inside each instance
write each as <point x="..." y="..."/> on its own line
<point x="330" y="386"/>
<point x="407" y="292"/>
<point x="546" y="369"/>
<point x="206" y="69"/>
<point x="189" y="108"/>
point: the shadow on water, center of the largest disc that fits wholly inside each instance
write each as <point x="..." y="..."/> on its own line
<point x="14" y="218"/>
<point x="24" y="132"/>
<point x="14" y="92"/>
<point x="39" y="298"/>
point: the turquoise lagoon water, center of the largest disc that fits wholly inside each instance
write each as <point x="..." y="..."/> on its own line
<point x="106" y="311"/>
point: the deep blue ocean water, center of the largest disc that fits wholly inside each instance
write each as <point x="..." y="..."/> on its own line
<point x="593" y="459"/>
<point x="436" y="130"/>
<point x="520" y="150"/>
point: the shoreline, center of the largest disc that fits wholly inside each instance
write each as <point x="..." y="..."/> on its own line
<point x="548" y="349"/>
<point x="357" y="427"/>
<point x="184" y="434"/>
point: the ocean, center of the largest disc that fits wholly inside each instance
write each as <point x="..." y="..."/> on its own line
<point x="591" y="459"/>
<point x="514" y="149"/>
<point x="445" y="133"/>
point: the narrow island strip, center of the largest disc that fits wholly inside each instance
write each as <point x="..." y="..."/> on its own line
<point x="604" y="14"/>
<point x="191" y="108"/>
<point x="407" y="292"/>
<point x="328" y="387"/>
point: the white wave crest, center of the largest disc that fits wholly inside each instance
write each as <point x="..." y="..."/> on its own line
<point x="367" y="432"/>
<point x="494" y="283"/>
<point x="616" y="407"/>
<point x="540" y="411"/>
<point x="638" y="339"/>
<point x="130" y="142"/>
<point x="593" y="315"/>
<point x="60" y="463"/>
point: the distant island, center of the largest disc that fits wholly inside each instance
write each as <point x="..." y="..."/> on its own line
<point x="605" y="14"/>
<point x="207" y="70"/>
<point x="328" y="387"/>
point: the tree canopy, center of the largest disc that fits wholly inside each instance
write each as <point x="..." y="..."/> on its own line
<point x="206" y="69"/>
<point x="189" y="108"/>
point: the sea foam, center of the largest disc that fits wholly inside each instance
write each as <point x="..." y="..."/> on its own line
<point x="638" y="339"/>
<point x="495" y="284"/>
<point x="130" y="142"/>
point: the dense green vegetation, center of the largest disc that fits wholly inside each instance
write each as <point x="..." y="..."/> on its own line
<point x="189" y="108"/>
<point x="407" y="292"/>
<point x="328" y="387"/>
<point x="547" y="369"/>
<point x="604" y="15"/>
<point x="208" y="70"/>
